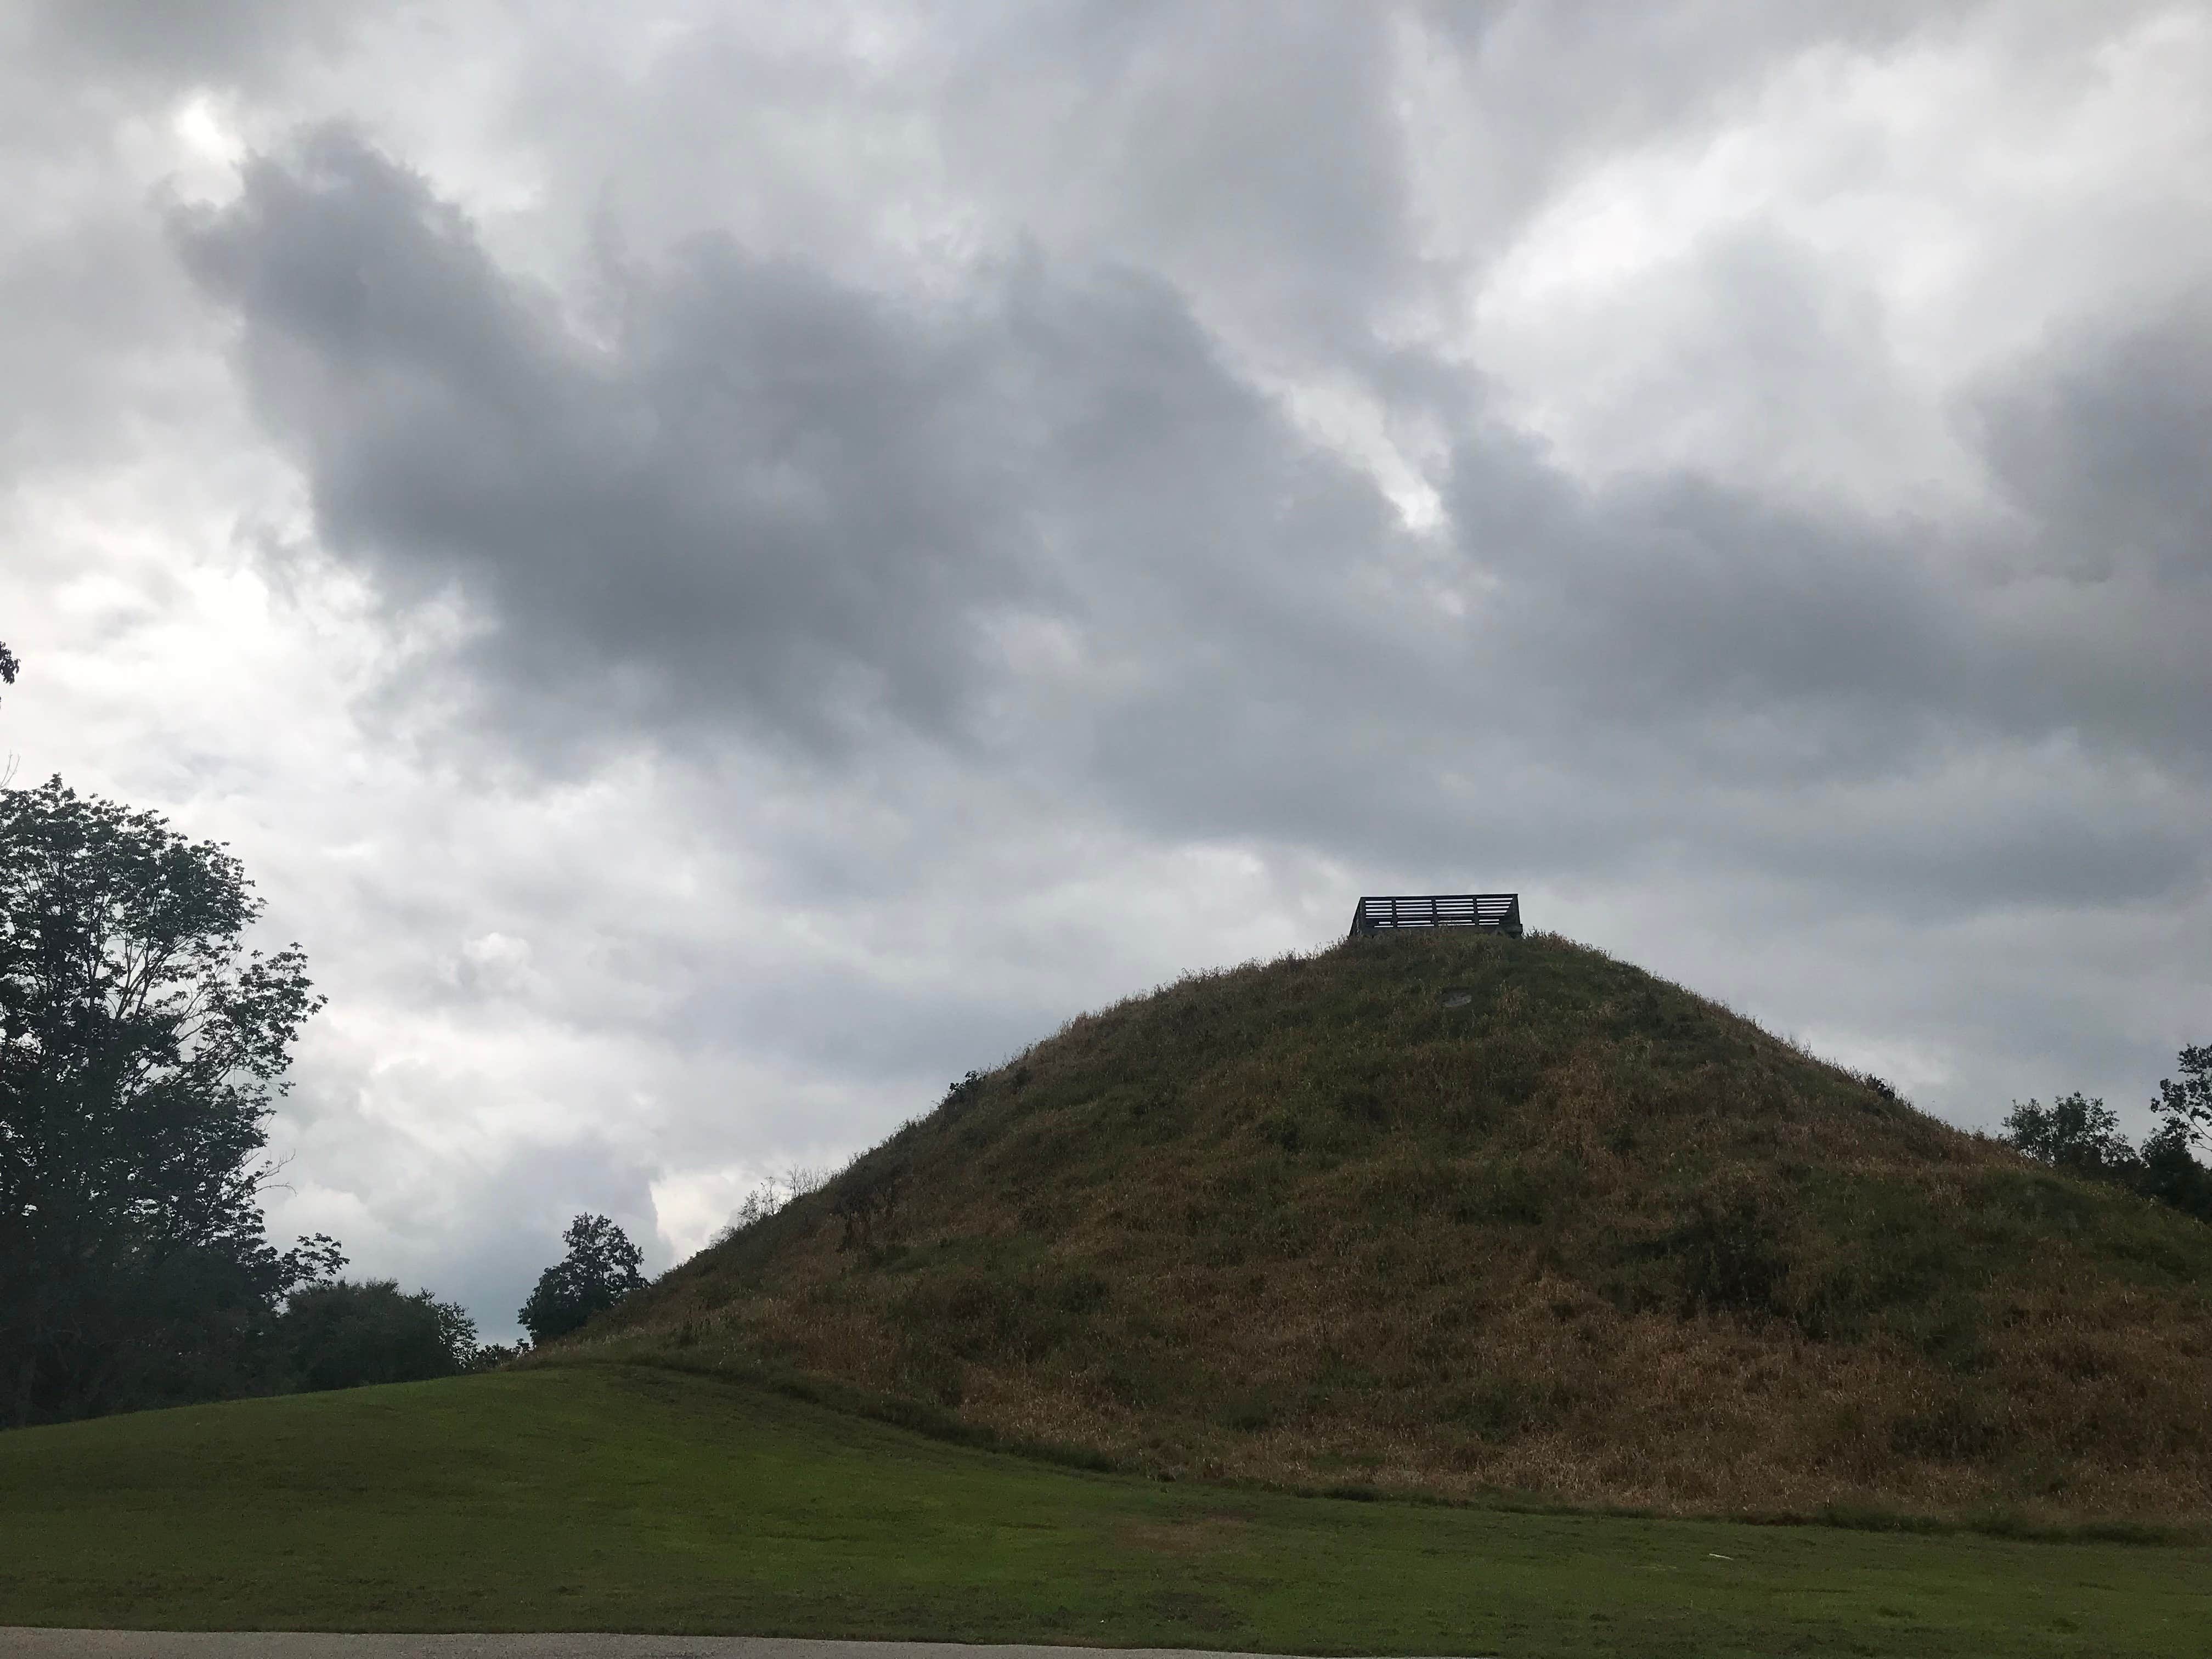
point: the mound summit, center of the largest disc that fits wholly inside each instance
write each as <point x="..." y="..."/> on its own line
<point x="1450" y="1213"/>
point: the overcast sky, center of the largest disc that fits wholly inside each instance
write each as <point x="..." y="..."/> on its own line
<point x="722" y="564"/>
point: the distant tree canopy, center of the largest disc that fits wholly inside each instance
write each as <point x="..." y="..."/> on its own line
<point x="142" y="1046"/>
<point x="2186" y="1106"/>
<point x="342" y="1335"/>
<point x="2082" y="1137"/>
<point x="602" y="1267"/>
<point x="2072" y="1132"/>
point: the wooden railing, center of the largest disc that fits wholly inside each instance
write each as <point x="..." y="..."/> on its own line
<point x="1500" y="911"/>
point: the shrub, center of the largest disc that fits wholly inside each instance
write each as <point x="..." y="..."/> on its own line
<point x="343" y="1335"/>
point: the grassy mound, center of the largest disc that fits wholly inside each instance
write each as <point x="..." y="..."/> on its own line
<point x="1453" y="1213"/>
<point x="607" y="1497"/>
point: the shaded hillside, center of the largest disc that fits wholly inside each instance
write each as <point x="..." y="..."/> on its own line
<point x="1459" y="1212"/>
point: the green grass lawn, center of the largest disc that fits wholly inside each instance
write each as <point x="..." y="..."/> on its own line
<point x="603" y="1497"/>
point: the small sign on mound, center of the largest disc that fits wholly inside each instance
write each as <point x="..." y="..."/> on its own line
<point x="1499" y="911"/>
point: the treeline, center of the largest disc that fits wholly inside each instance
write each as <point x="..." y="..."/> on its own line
<point x="142" y="1050"/>
<point x="2082" y="1137"/>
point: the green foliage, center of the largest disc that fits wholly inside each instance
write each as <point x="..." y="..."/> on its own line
<point x="2073" y="1133"/>
<point x="2082" y="1137"/>
<point x="343" y="1335"/>
<point x="2186" y="1105"/>
<point x="600" y="1268"/>
<point x="141" y="1047"/>
<point x="2171" y="1173"/>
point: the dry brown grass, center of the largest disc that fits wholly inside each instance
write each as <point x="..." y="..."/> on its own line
<point x="1589" y="1237"/>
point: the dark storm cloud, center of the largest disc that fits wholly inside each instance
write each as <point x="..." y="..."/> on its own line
<point x="762" y="499"/>
<point x="2107" y="442"/>
<point x="2104" y="589"/>
<point x="769" y="498"/>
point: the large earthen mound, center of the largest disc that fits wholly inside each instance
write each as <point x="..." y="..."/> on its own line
<point x="1456" y="1213"/>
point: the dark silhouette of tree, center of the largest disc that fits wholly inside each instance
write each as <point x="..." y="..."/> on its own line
<point x="2171" y="1171"/>
<point x="9" y="668"/>
<point x="2186" y="1106"/>
<point x="2171" y="1174"/>
<point x="2082" y="1137"/>
<point x="141" y="1047"/>
<point x="2074" y="1134"/>
<point x="601" y="1268"/>
<point x="342" y="1335"/>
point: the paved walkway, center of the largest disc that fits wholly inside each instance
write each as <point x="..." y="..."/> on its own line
<point x="19" y="1642"/>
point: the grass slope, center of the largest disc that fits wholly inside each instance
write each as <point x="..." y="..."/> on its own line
<point x="624" y="1499"/>
<point x="1459" y="1213"/>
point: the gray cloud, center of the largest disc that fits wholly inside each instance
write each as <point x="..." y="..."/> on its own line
<point x="2105" y="584"/>
<point x="833" y="540"/>
<point x="768" y="498"/>
<point x="770" y="502"/>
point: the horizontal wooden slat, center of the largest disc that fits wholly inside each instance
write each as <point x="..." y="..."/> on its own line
<point x="1497" y="911"/>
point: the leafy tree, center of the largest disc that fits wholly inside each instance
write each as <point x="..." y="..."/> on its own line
<point x="2171" y="1175"/>
<point x="342" y="1335"/>
<point x="2082" y="1137"/>
<point x="141" y="1048"/>
<point x="2186" y="1106"/>
<point x="2078" y="1135"/>
<point x="601" y="1268"/>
